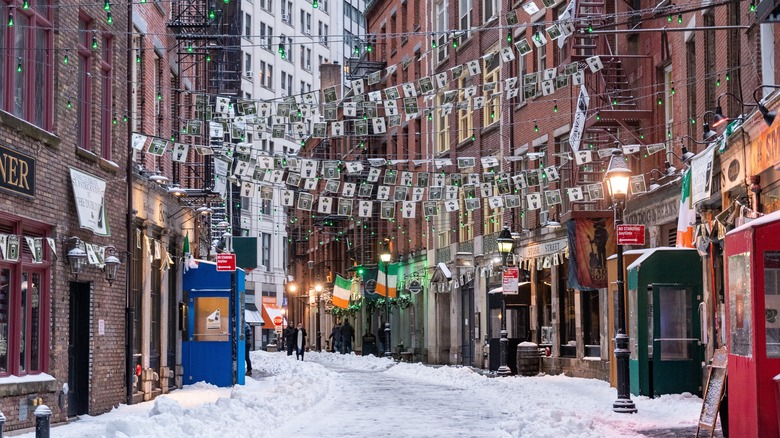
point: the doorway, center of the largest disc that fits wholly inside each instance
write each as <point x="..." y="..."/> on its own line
<point x="78" y="349"/>
<point x="467" y="323"/>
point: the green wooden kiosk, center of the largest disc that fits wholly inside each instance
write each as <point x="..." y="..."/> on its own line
<point x="664" y="293"/>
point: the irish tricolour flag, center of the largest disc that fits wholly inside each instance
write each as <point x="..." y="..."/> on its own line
<point x="387" y="286"/>
<point x="687" y="218"/>
<point x="342" y="289"/>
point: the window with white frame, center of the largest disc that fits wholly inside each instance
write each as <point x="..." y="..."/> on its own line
<point x="442" y="128"/>
<point x="248" y="65"/>
<point x="441" y="31"/>
<point x="464" y="11"/>
<point x="489" y="10"/>
<point x="465" y="117"/>
<point x="492" y="109"/>
<point x="668" y="105"/>
<point x="492" y="218"/>
<point x="247" y="25"/>
<point x="466" y="225"/>
<point x="541" y="52"/>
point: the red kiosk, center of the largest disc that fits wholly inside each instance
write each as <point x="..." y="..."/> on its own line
<point x="752" y="253"/>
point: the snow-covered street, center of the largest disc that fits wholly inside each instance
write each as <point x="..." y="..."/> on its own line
<point x="351" y="396"/>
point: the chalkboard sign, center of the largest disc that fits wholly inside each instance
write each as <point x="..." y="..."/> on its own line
<point x="716" y="384"/>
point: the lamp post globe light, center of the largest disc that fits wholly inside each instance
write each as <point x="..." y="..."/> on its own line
<point x="318" y="291"/>
<point x="385" y="257"/>
<point x="617" y="177"/>
<point x="505" y="246"/>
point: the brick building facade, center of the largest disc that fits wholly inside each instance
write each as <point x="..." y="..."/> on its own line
<point x="62" y="107"/>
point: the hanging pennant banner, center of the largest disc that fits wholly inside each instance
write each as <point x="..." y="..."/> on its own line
<point x="89" y="192"/>
<point x="575" y="136"/>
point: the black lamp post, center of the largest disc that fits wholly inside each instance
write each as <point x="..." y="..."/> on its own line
<point x="505" y="246"/>
<point x="318" y="291"/>
<point x="385" y="257"/>
<point x="617" y="177"/>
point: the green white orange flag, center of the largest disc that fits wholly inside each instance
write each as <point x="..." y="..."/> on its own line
<point x="342" y="290"/>
<point x="687" y="217"/>
<point x="387" y="287"/>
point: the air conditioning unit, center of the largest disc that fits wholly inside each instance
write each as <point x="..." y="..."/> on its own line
<point x="284" y="94"/>
<point x="286" y="18"/>
<point x="323" y="40"/>
<point x="544" y="217"/>
<point x="249" y="74"/>
<point x="307" y="32"/>
<point x="308" y="67"/>
<point x="263" y="42"/>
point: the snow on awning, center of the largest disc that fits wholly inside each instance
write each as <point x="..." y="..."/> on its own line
<point x="442" y="273"/>
<point x="253" y="317"/>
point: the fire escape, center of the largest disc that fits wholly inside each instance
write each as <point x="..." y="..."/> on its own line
<point x="616" y="111"/>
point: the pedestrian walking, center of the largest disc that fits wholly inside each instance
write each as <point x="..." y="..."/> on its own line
<point x="289" y="338"/>
<point x="380" y="338"/>
<point x="335" y="336"/>
<point x="248" y="342"/>
<point x="347" y="336"/>
<point x="300" y="341"/>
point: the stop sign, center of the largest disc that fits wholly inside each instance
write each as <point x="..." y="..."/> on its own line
<point x="278" y="320"/>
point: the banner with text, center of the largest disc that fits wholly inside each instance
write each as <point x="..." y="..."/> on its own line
<point x="89" y="192"/>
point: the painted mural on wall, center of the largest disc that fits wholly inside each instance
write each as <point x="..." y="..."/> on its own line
<point x="591" y="241"/>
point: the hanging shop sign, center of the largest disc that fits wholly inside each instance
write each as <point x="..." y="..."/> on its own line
<point x="701" y="175"/>
<point x="17" y="172"/>
<point x="732" y="167"/>
<point x="89" y="192"/>
<point x="591" y="241"/>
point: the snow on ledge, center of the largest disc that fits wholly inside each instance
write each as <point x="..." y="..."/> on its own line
<point x="42" y="377"/>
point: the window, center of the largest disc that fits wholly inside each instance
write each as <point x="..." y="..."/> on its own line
<point x="268" y="5"/>
<point x="394" y="30"/>
<point x="492" y="219"/>
<point x="305" y="22"/>
<point x="566" y="173"/>
<point x="287" y="11"/>
<point x="442" y="128"/>
<point x="158" y="73"/>
<point x="489" y="9"/>
<point x="288" y="55"/>
<point x="668" y="95"/>
<point x="137" y="82"/>
<point x="286" y="84"/>
<point x="266" y="41"/>
<point x="541" y="52"/>
<point x="709" y="59"/>
<point x="265" y="207"/>
<point x="465" y="119"/>
<point x="266" y="260"/>
<point x="441" y="31"/>
<point x="247" y="25"/>
<point x="522" y="68"/>
<point x="84" y="129"/>
<point x="106" y="106"/>
<point x="324" y="5"/>
<point x="24" y="292"/>
<point x="247" y="64"/>
<point x="464" y="9"/>
<point x="466" y="226"/>
<point x="267" y="75"/>
<point x="560" y="54"/>
<point x="26" y="68"/>
<point x="568" y="318"/>
<point x="772" y="302"/>
<point x="591" y="322"/>
<point x="690" y="92"/>
<point x="492" y="110"/>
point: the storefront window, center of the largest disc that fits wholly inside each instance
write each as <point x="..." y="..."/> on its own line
<point x="568" y="328"/>
<point x="772" y="302"/>
<point x="633" y="321"/>
<point x="5" y="317"/>
<point x="591" y="323"/>
<point x="740" y="322"/>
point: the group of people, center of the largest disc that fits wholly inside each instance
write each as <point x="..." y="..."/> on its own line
<point x="295" y="337"/>
<point x="342" y="337"/>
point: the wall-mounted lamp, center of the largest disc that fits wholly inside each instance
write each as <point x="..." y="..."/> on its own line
<point x="177" y="191"/>
<point x="111" y="264"/>
<point x="769" y="116"/>
<point x="159" y="179"/>
<point x="707" y="133"/>
<point x="719" y="119"/>
<point x="76" y="256"/>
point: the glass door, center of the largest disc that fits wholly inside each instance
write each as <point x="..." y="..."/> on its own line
<point x="677" y="350"/>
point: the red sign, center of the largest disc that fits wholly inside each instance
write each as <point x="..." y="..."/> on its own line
<point x="226" y="262"/>
<point x="630" y="234"/>
<point x="510" y="280"/>
<point x="278" y="320"/>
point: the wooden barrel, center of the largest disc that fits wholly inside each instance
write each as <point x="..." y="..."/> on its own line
<point x="528" y="360"/>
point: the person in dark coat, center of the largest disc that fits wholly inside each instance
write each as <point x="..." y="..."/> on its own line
<point x="299" y="338"/>
<point x="335" y="336"/>
<point x="248" y="342"/>
<point x="289" y="338"/>
<point x="347" y="336"/>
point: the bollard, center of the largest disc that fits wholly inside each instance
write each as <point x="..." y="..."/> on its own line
<point x="2" y="423"/>
<point x="42" y="421"/>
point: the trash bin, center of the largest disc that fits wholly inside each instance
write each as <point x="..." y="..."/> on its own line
<point x="369" y="345"/>
<point x="528" y="361"/>
<point x="271" y="348"/>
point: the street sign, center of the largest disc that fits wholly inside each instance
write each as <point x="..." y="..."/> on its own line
<point x="630" y="234"/>
<point x="415" y="287"/>
<point x="510" y="280"/>
<point x="226" y="262"/>
<point x="278" y="320"/>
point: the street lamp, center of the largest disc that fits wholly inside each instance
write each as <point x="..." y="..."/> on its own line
<point x="385" y="257"/>
<point x="505" y="246"/>
<point x="318" y="291"/>
<point x="617" y="178"/>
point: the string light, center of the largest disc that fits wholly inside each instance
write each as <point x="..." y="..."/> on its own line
<point x="69" y="104"/>
<point x="315" y="4"/>
<point x="717" y="83"/>
<point x="94" y="42"/>
<point x="65" y="59"/>
<point x="26" y="5"/>
<point x="555" y="108"/>
<point x="109" y="18"/>
<point x="212" y="14"/>
<point x="752" y="6"/>
<point x="11" y="18"/>
<point x="679" y="19"/>
<point x="536" y="127"/>
<point x="107" y="6"/>
<point x="19" y="65"/>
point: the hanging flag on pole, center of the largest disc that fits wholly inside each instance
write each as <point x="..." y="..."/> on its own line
<point x="342" y="289"/>
<point x="687" y="218"/>
<point x="387" y="286"/>
<point x="189" y="261"/>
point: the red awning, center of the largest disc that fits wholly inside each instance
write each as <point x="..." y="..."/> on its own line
<point x="270" y="312"/>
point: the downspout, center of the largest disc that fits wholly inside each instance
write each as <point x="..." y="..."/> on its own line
<point x="129" y="239"/>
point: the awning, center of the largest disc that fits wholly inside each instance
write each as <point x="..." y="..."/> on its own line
<point x="270" y="312"/>
<point x="441" y="274"/>
<point x="253" y="317"/>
